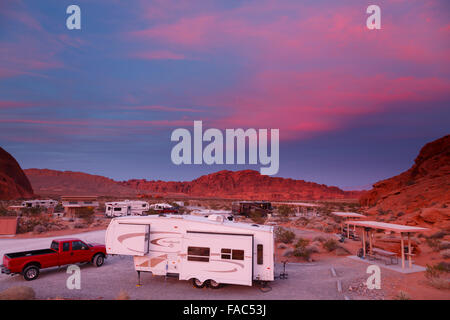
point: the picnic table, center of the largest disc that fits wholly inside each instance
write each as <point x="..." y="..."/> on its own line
<point x="392" y="256"/>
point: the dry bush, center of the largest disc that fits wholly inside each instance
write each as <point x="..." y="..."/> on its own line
<point x="438" y="276"/>
<point x="283" y="235"/>
<point x="301" y="242"/>
<point x="402" y="295"/>
<point x="86" y="213"/>
<point x="330" y="245"/>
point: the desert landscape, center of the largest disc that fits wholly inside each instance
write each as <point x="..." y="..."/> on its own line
<point x="306" y="230"/>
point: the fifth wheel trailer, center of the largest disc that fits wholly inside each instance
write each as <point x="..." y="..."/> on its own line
<point x="205" y="250"/>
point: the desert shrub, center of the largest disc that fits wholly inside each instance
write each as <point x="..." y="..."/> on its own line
<point x="86" y="213"/>
<point x="438" y="235"/>
<point x="35" y="211"/>
<point x="319" y="239"/>
<point x="313" y="248"/>
<point x="401" y="213"/>
<point x="433" y="243"/>
<point x="283" y="235"/>
<point x="4" y="211"/>
<point x="257" y="217"/>
<point x="288" y="253"/>
<point x="445" y="253"/>
<point x="302" y="243"/>
<point x="303" y="252"/>
<point x="438" y="276"/>
<point x="39" y="228"/>
<point x="27" y="224"/>
<point x="401" y="295"/>
<point x="285" y="210"/>
<point x="330" y="245"/>
<point x="444" y="245"/>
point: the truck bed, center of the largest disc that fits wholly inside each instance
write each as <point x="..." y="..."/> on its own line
<point x="28" y="253"/>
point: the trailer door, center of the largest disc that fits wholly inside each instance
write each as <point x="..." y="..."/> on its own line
<point x="129" y="239"/>
<point x="222" y="257"/>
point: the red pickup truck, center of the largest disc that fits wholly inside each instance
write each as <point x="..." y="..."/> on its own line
<point x="62" y="252"/>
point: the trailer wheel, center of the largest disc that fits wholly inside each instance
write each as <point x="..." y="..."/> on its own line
<point x="214" y="285"/>
<point x="98" y="260"/>
<point x="198" y="284"/>
<point x="31" y="273"/>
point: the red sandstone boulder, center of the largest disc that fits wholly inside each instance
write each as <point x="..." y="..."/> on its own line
<point x="14" y="183"/>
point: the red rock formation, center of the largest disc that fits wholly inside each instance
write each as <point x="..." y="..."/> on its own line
<point x="14" y="183"/>
<point x="246" y="184"/>
<point x="412" y="193"/>
<point x="53" y="182"/>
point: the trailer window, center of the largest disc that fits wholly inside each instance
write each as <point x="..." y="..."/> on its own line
<point x="117" y="209"/>
<point x="226" y="254"/>
<point x="232" y="254"/>
<point x="198" y="254"/>
<point x="238" y="255"/>
<point x="259" y="254"/>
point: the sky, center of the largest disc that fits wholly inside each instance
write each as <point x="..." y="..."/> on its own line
<point x="352" y="105"/>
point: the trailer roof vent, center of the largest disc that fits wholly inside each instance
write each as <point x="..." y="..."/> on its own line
<point x="255" y="225"/>
<point x="216" y="217"/>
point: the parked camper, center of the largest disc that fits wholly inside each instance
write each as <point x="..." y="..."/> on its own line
<point x="163" y="208"/>
<point x="39" y="204"/>
<point x="246" y="208"/>
<point x="207" y="251"/>
<point x="125" y="208"/>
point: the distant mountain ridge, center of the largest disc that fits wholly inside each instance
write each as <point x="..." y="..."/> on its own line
<point x="244" y="184"/>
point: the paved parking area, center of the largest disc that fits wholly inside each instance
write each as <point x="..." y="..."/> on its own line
<point x="306" y="281"/>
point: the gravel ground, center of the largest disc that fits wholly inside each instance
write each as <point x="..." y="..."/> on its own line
<point x="306" y="281"/>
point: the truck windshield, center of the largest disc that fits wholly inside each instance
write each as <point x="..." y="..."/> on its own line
<point x="54" y="246"/>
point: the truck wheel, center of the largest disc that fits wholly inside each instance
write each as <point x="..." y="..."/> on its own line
<point x="214" y="285"/>
<point x="198" y="284"/>
<point x="30" y="273"/>
<point x="98" y="260"/>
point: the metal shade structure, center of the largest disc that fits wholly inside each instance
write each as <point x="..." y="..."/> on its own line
<point x="347" y="215"/>
<point x="371" y="226"/>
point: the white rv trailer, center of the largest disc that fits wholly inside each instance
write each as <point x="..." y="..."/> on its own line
<point x="160" y="206"/>
<point x="206" y="250"/>
<point x="39" y="204"/>
<point x="125" y="208"/>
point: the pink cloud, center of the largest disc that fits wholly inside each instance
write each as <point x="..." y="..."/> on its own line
<point x="158" y="55"/>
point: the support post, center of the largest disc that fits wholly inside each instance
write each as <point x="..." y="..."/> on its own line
<point x="348" y="231"/>
<point x="139" y="278"/>
<point x="364" y="242"/>
<point x="409" y="250"/>
<point x="370" y="240"/>
<point x="403" y="250"/>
